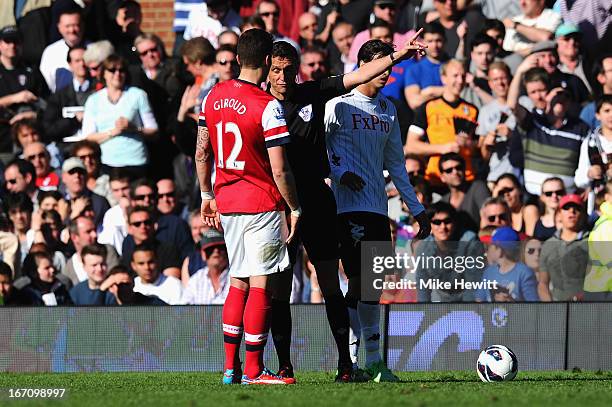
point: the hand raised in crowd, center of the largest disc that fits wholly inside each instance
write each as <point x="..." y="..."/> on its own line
<point x="332" y="18"/>
<point x="353" y="181"/>
<point x="78" y="205"/>
<point x="529" y="62"/>
<point x="462" y="30"/>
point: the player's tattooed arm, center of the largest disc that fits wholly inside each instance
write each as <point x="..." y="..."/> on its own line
<point x="203" y="148"/>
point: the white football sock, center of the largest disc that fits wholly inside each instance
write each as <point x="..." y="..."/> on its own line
<point x="354" y="335"/>
<point x="369" y="316"/>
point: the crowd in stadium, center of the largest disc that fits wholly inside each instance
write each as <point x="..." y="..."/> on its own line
<point x="506" y="124"/>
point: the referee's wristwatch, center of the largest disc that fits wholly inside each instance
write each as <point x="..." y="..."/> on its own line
<point x="296" y="212"/>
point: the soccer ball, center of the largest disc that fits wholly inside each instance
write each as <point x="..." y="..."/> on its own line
<point x="497" y="363"/>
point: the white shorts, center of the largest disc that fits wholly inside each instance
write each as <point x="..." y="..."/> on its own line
<point x="256" y="243"/>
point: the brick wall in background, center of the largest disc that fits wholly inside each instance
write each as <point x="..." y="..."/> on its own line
<point x="157" y="17"/>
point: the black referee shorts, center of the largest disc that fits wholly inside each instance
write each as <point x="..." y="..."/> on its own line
<point x="317" y="228"/>
<point x="357" y="227"/>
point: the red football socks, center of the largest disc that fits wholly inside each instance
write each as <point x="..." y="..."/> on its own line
<point x="233" y="310"/>
<point x="256" y="325"/>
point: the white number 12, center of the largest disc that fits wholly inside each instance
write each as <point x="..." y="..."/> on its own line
<point x="231" y="162"/>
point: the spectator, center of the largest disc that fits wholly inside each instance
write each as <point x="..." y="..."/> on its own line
<point x="594" y="164"/>
<point x="54" y="60"/>
<point x="166" y="197"/>
<point x="210" y="284"/>
<point x="41" y="284"/>
<point x="565" y="256"/>
<point x="433" y="132"/>
<point x="384" y="10"/>
<point x="482" y="53"/>
<point x="20" y="176"/>
<point x="226" y="63"/>
<point x="119" y="118"/>
<point x="20" y="88"/>
<point x="141" y="228"/>
<point x="26" y="131"/>
<point x="598" y="280"/>
<point x="47" y="178"/>
<point x="553" y="190"/>
<point x="308" y="30"/>
<point x="228" y="38"/>
<point x="535" y="24"/>
<point x="209" y="19"/>
<point x="593" y="17"/>
<point x="532" y="248"/>
<point x="19" y="208"/>
<point x="8" y="294"/>
<point x="447" y="240"/>
<point x="450" y="17"/>
<point x="269" y="11"/>
<point x="121" y="285"/>
<point x="495" y="124"/>
<point x="9" y="245"/>
<point x="466" y="197"/>
<point x="150" y="280"/>
<point x="342" y="36"/>
<point x="97" y="17"/>
<point x="422" y="81"/>
<point x="64" y="113"/>
<point x="81" y="198"/>
<point x="569" y="50"/>
<point x="88" y="292"/>
<point x="199" y="58"/>
<point x="127" y="27"/>
<point x="83" y="234"/>
<point x="494" y="212"/>
<point x="312" y="65"/>
<point x="546" y="142"/>
<point x="197" y="226"/>
<point x="602" y="72"/>
<point x="90" y="154"/>
<point x="52" y="200"/>
<point x="114" y="224"/>
<point x="94" y="56"/>
<point x="170" y="228"/>
<point x="514" y="280"/>
<point x="46" y="228"/>
<point x="524" y="216"/>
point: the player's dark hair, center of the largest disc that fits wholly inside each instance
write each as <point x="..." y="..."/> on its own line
<point x="536" y="75"/>
<point x="434" y="28"/>
<point x="253" y="47"/>
<point x="94" y="249"/>
<point x="603" y="99"/>
<point x="142" y="182"/>
<point x="19" y="200"/>
<point x="69" y="56"/>
<point x="373" y="49"/>
<point x="284" y="50"/>
<point x="494" y="24"/>
<point x="480" y="39"/>
<point x="450" y="157"/>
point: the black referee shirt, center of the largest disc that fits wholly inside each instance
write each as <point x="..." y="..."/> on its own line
<point x="304" y="113"/>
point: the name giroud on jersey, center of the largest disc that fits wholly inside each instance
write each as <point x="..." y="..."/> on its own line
<point x="230" y="103"/>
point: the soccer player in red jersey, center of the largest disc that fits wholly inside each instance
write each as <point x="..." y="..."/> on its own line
<point x="244" y="128"/>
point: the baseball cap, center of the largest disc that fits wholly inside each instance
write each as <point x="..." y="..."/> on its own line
<point x="505" y="237"/>
<point x="10" y="32"/>
<point x="567" y="29"/>
<point x="210" y="238"/>
<point x="543" y="46"/>
<point x="73" y="163"/>
<point x="571" y="198"/>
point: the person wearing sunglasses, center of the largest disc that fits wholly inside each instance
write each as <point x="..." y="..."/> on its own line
<point x="47" y="178"/>
<point x="553" y="189"/>
<point x="313" y="65"/>
<point x="530" y="255"/>
<point x="565" y="256"/>
<point x="226" y="63"/>
<point x="211" y="283"/>
<point x="466" y="197"/>
<point x="120" y="119"/>
<point x="167" y="201"/>
<point x="507" y="279"/>
<point x="447" y="240"/>
<point x="94" y="56"/>
<point x="494" y="212"/>
<point x="524" y="216"/>
<point x="20" y="176"/>
<point x="270" y="13"/>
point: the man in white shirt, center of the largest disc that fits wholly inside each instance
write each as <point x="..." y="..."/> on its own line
<point x="54" y="57"/>
<point x="150" y="281"/>
<point x="536" y="24"/>
<point x="210" y="284"/>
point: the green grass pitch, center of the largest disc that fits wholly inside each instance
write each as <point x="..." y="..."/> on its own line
<point x="582" y="389"/>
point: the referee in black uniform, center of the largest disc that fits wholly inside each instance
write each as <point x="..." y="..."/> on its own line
<point x="304" y="106"/>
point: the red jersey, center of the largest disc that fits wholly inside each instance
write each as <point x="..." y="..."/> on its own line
<point x="243" y="121"/>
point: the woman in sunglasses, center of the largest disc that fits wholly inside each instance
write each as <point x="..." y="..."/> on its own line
<point x="524" y="216"/>
<point x="553" y="189"/>
<point x="120" y="119"/>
